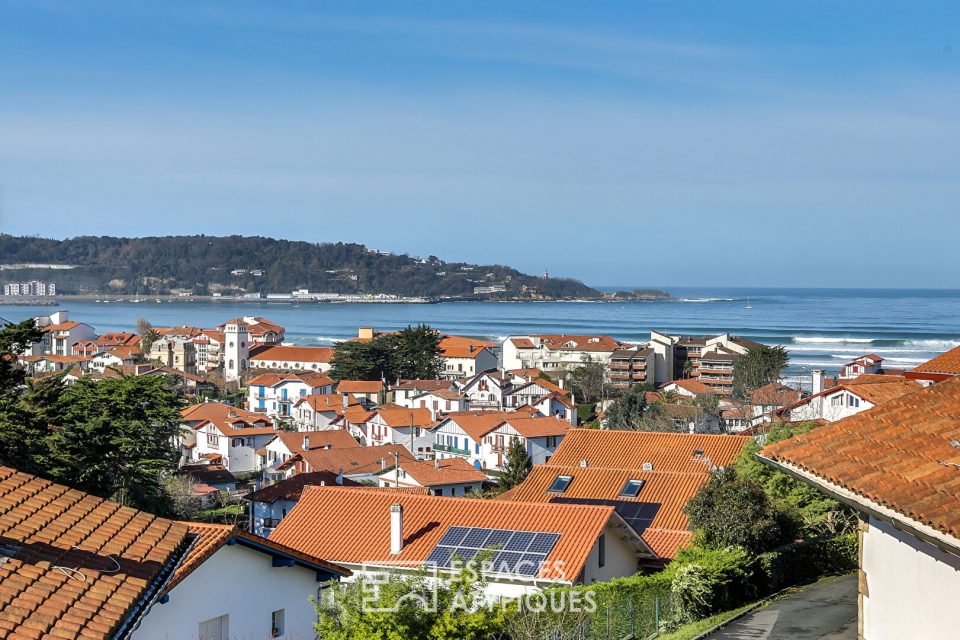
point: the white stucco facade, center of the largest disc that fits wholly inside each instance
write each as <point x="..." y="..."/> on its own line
<point x="912" y="587"/>
<point x="242" y="588"/>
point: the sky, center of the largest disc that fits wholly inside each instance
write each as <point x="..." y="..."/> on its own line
<point x="640" y="143"/>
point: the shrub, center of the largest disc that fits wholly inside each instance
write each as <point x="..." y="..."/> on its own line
<point x="735" y="511"/>
<point x="807" y="561"/>
<point x="728" y="573"/>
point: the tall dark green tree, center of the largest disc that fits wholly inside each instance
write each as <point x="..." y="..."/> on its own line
<point x="360" y="360"/>
<point x="413" y="352"/>
<point x="758" y="367"/>
<point x="21" y="433"/>
<point x="115" y="439"/>
<point x="731" y="510"/>
<point x="516" y="465"/>
<point x="627" y="413"/>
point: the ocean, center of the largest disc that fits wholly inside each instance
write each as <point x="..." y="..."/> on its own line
<point x="822" y="328"/>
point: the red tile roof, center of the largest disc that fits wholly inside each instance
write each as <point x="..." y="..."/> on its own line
<point x="362" y="531"/>
<point x="119" y="339"/>
<point x="231" y="421"/>
<point x="76" y="565"/>
<point x="256" y="326"/>
<point x="875" y="389"/>
<point x="899" y="454"/>
<point x="539" y="427"/>
<point x="282" y="353"/>
<point x="946" y="363"/>
<point x="667" y="492"/>
<point x="421" y="385"/>
<point x="360" y="386"/>
<point x="403" y="417"/>
<point x="311" y="378"/>
<point x="319" y="440"/>
<point x="350" y="460"/>
<point x="693" y="386"/>
<point x="328" y="402"/>
<point x="630" y="449"/>
<point x="774" y="394"/>
<point x="63" y="326"/>
<point x="477" y="424"/>
<point x="441" y="472"/>
<point x="291" y="488"/>
<point x="460" y="347"/>
<point x="579" y="343"/>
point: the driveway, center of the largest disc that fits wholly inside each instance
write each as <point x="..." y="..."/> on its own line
<point x="826" y="610"/>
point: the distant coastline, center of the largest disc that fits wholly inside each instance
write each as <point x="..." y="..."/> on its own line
<point x="102" y="298"/>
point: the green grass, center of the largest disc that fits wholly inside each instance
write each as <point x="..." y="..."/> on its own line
<point x="228" y="513"/>
<point x="694" y="629"/>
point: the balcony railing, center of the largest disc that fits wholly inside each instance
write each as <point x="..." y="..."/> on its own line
<point x="443" y="447"/>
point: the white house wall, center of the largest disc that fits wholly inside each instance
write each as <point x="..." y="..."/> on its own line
<point x="913" y="587"/>
<point x="241" y="583"/>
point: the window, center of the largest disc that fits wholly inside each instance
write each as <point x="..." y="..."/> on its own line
<point x="476" y="448"/>
<point x="602" y="550"/>
<point x="214" y="629"/>
<point x="631" y="489"/>
<point x="853" y="401"/>
<point x="560" y="484"/>
<point x="237" y="442"/>
<point x="836" y="401"/>
<point x="213" y="440"/>
<point x="276" y="623"/>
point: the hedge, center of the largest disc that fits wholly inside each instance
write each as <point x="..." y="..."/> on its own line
<point x="807" y="561"/>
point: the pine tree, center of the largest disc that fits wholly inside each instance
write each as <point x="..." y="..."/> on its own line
<point x="516" y="466"/>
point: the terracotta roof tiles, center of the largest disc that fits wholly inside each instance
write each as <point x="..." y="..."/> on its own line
<point x="352" y="461"/>
<point x="291" y="488"/>
<point x="899" y="454"/>
<point x="360" y="386"/>
<point x="442" y="472"/>
<point x="539" y="427"/>
<point x="318" y="440"/>
<point x="283" y="353"/>
<point x="630" y="449"/>
<point x="363" y="526"/>
<point x="76" y="565"/>
<point x="946" y="363"/>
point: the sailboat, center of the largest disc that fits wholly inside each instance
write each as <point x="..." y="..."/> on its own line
<point x="749" y="306"/>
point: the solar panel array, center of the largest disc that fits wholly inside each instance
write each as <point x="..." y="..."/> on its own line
<point x="517" y="552"/>
<point x="638" y="515"/>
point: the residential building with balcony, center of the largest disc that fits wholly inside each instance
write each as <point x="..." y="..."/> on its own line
<point x="629" y="367"/>
<point x="553" y="353"/>
<point x="276" y="394"/>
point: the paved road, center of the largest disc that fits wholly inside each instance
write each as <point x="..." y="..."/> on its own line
<point x="826" y="610"/>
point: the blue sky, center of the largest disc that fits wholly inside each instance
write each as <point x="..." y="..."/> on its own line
<point x="646" y="143"/>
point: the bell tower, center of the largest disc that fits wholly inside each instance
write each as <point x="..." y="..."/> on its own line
<point x="236" y="351"/>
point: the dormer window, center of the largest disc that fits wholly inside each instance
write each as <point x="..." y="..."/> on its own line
<point x="560" y="484"/>
<point x="698" y="453"/>
<point x="632" y="488"/>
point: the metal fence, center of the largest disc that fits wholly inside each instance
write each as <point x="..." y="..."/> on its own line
<point x="626" y="618"/>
